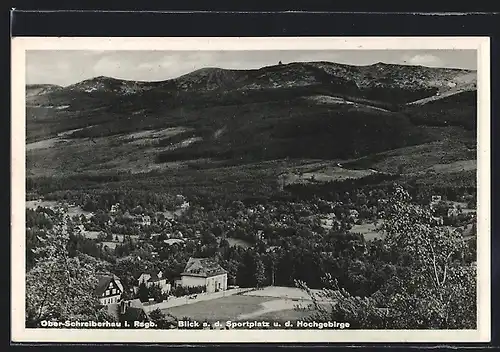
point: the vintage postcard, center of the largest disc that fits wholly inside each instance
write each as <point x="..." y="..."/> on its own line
<point x="251" y="189"/>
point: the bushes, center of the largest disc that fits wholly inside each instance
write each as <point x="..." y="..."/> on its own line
<point x="180" y="291"/>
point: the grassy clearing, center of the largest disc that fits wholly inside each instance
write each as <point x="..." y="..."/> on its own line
<point x="236" y="242"/>
<point x="417" y="159"/>
<point x="335" y="174"/>
<point x="459" y="179"/>
<point x="247" y="306"/>
<point x="457" y="166"/>
<point x="464" y="206"/>
<point x="110" y="245"/>
<point x="313" y="171"/>
<point x="48" y="143"/>
<point x="166" y="132"/>
<point x="368" y="230"/>
<point x="33" y="204"/>
<point x="226" y="308"/>
<point x="93" y="235"/>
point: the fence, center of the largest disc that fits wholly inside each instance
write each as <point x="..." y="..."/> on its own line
<point x="179" y="301"/>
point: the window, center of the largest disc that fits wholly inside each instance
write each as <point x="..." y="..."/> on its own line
<point x="114" y="291"/>
<point x="107" y="292"/>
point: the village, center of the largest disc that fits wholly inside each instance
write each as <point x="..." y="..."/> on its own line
<point x="136" y="238"/>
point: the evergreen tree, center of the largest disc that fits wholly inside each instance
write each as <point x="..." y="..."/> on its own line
<point x="143" y="292"/>
<point x="260" y="274"/>
<point x="156" y="293"/>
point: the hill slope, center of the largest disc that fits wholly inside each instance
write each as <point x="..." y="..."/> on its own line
<point x="316" y="110"/>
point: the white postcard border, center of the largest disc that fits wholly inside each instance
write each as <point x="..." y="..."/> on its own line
<point x="20" y="334"/>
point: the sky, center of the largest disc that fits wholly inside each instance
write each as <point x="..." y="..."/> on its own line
<point x="65" y="67"/>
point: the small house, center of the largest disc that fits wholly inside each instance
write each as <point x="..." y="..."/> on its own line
<point x="436" y="199"/>
<point x="109" y="290"/>
<point x="437" y="220"/>
<point x="353" y="214"/>
<point x="114" y="208"/>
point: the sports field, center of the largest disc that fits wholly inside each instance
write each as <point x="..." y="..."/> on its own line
<point x="270" y="303"/>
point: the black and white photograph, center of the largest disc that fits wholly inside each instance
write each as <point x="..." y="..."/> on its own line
<point x="258" y="191"/>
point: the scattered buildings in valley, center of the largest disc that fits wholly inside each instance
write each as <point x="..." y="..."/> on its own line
<point x="204" y="272"/>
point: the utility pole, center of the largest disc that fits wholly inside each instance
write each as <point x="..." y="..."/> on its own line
<point x="272" y="275"/>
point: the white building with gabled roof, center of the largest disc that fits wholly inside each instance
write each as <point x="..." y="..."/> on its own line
<point x="204" y="272"/>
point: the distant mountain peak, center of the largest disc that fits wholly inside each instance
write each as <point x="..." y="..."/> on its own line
<point x="106" y="84"/>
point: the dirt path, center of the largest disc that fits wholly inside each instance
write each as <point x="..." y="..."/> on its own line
<point x="274" y="306"/>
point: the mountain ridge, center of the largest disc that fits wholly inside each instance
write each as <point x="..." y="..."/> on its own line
<point x="387" y="83"/>
<point x="212" y="70"/>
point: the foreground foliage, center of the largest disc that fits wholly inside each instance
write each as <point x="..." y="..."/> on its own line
<point x="60" y="287"/>
<point x="436" y="289"/>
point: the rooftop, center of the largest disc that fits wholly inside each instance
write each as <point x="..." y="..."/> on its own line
<point x="104" y="280"/>
<point x="154" y="275"/>
<point x="203" y="267"/>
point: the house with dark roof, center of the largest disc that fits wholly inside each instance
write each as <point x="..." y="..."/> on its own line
<point x="155" y="277"/>
<point x="204" y="272"/>
<point x="109" y="290"/>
